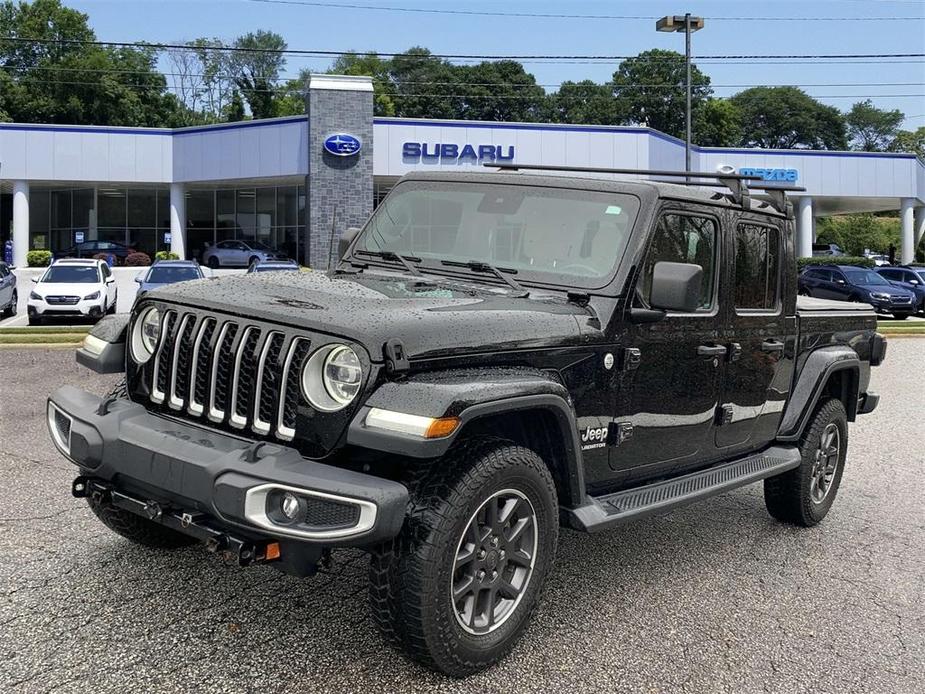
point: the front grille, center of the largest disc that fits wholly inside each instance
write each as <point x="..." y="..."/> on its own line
<point x="235" y="374"/>
<point x="62" y="300"/>
<point x="901" y="300"/>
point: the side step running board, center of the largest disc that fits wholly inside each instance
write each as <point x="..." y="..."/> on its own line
<point x="602" y="512"/>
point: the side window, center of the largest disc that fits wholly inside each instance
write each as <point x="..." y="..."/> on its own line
<point x="105" y="268"/>
<point x="683" y="238"/>
<point x="838" y="276"/>
<point x="757" y="266"/>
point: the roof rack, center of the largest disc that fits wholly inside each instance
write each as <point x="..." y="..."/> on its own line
<point x="739" y="185"/>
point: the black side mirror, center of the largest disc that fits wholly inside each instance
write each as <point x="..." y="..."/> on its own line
<point x="345" y="240"/>
<point x="676" y="286"/>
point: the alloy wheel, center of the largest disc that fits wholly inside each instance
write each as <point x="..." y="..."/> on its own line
<point x="494" y="561"/>
<point x="825" y="463"/>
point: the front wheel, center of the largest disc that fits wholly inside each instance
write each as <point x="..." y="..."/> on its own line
<point x="900" y="316"/>
<point x="804" y="495"/>
<point x="213" y="262"/>
<point x="10" y="310"/>
<point x="458" y="586"/>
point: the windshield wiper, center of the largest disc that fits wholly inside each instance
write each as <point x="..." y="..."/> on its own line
<point x="392" y="256"/>
<point x="482" y="266"/>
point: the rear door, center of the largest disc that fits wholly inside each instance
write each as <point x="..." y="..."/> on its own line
<point x="665" y="414"/>
<point x="7" y="281"/>
<point x="759" y="362"/>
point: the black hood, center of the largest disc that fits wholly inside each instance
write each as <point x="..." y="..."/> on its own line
<point x="432" y="316"/>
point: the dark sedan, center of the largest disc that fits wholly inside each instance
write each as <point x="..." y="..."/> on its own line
<point x="88" y="249"/>
<point x="849" y="283"/>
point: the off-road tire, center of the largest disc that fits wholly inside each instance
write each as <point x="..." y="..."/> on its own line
<point x="137" y="529"/>
<point x="120" y="390"/>
<point x="410" y="577"/>
<point x="788" y="496"/>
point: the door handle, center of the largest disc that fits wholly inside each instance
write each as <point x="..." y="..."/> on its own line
<point x="711" y="350"/>
<point x="772" y="346"/>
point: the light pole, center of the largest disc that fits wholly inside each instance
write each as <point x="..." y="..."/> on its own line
<point x="688" y="25"/>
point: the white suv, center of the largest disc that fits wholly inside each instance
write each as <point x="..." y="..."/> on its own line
<point x="78" y="288"/>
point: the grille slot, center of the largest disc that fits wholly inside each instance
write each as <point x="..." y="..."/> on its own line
<point x="199" y="375"/>
<point x="328" y="514"/>
<point x="290" y="384"/>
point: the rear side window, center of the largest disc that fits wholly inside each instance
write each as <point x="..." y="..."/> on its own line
<point x="684" y="239"/>
<point x="757" y="266"/>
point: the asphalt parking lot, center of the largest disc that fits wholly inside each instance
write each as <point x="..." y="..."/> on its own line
<point x="715" y="597"/>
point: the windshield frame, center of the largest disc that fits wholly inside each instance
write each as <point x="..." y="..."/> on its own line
<point x="434" y="265"/>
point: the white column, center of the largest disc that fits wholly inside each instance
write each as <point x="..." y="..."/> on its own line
<point x="178" y="219"/>
<point x="906" y="231"/>
<point x="918" y="225"/>
<point x="20" y="222"/>
<point x="804" y="227"/>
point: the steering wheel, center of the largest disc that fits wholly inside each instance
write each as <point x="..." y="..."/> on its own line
<point x="582" y="270"/>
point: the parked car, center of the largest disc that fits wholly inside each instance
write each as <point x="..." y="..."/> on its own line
<point x="239" y="254"/>
<point x="495" y="355"/>
<point x="850" y="283"/>
<point x="8" y="295"/>
<point x="880" y="260"/>
<point x="274" y="266"/>
<point x="88" y="249"/>
<point x="75" y="288"/>
<point x="165" y="272"/>
<point x="912" y="279"/>
<point x="827" y="249"/>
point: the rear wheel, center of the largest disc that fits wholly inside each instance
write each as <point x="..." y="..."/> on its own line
<point x="213" y="262"/>
<point x="804" y="495"/>
<point x="10" y="310"/>
<point x="458" y="586"/>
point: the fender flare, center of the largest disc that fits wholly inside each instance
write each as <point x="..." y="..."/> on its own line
<point x="448" y="394"/>
<point x="104" y="349"/>
<point x="810" y="382"/>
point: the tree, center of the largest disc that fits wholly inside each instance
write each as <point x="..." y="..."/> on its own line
<point x="717" y="123"/>
<point x="856" y="233"/>
<point x="371" y="65"/>
<point x="234" y="111"/>
<point x="910" y="141"/>
<point x="871" y="129"/>
<point x="788" y="118"/>
<point x="256" y="65"/>
<point x="72" y="81"/>
<point x="498" y="91"/>
<point x="585" y="102"/>
<point x="425" y="86"/>
<point x="651" y="87"/>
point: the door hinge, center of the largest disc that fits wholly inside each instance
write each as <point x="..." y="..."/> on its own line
<point x="622" y="432"/>
<point x="632" y="356"/>
<point x="735" y="351"/>
<point x="396" y="361"/>
<point x="724" y="414"/>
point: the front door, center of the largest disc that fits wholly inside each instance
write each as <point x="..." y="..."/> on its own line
<point x="666" y="411"/>
<point x="761" y="331"/>
<point x="7" y="283"/>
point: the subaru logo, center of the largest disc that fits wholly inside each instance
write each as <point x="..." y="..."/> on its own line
<point x="342" y="144"/>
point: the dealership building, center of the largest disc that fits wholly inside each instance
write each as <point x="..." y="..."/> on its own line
<point x="296" y="183"/>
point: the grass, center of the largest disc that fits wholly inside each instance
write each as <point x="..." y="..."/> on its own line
<point x="47" y="330"/>
<point x="54" y="339"/>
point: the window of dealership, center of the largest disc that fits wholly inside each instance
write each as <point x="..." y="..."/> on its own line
<point x="139" y="217"/>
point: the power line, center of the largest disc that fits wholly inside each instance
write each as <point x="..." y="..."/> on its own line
<point x="543" y="15"/>
<point x="449" y="56"/>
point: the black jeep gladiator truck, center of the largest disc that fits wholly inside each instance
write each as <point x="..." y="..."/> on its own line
<point x="495" y="355"/>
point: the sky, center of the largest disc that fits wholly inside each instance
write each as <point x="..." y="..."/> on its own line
<point x="731" y="28"/>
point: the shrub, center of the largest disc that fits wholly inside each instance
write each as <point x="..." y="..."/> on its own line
<point x="137" y="259"/>
<point x="101" y="256"/>
<point x="38" y="258"/>
<point x="835" y="260"/>
<point x="855" y="232"/>
<point x="166" y="255"/>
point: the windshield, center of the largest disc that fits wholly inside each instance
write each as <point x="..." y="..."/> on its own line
<point x="166" y="275"/>
<point x="545" y="234"/>
<point x="275" y="268"/>
<point x="72" y="274"/>
<point x="865" y="277"/>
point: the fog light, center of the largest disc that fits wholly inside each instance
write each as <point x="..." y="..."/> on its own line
<point x="290" y="505"/>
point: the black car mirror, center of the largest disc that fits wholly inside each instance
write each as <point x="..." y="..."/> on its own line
<point x="345" y="240"/>
<point x="840" y="282"/>
<point x="676" y="286"/>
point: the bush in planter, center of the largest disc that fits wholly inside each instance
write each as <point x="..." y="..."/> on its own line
<point x="166" y="255"/>
<point x="835" y="260"/>
<point x="137" y="259"/>
<point x="102" y="256"/>
<point x="38" y="258"/>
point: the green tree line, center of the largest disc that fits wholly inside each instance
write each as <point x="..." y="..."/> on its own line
<point x="51" y="72"/>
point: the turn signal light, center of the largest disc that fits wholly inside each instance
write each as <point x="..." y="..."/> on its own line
<point x="441" y="427"/>
<point x="272" y="551"/>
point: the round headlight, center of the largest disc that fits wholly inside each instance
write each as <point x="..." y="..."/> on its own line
<point x="145" y="335"/>
<point x="331" y="377"/>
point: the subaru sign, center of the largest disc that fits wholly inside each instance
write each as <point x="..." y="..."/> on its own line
<point x="342" y="144"/>
<point x="776" y="175"/>
<point x="451" y="153"/>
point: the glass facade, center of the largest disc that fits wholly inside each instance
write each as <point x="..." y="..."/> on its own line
<point x="140" y="217"/>
<point x="272" y="215"/>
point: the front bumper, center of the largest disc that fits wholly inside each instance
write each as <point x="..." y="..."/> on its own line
<point x="226" y="482"/>
<point x="83" y="307"/>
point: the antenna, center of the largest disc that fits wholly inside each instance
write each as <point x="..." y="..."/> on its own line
<point x="333" y="231"/>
